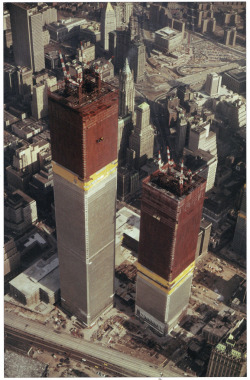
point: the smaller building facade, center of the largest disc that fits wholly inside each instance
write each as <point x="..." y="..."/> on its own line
<point x="168" y="39"/>
<point x="228" y="357"/>
<point x="20" y="211"/>
<point x="235" y="80"/>
<point x="213" y="84"/>
<point x="40" y="282"/>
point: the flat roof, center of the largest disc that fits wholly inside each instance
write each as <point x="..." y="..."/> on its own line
<point x="51" y="281"/>
<point x="239" y="75"/>
<point x="26" y="5"/>
<point x="41" y="273"/>
<point x="167" y="32"/>
<point x="17" y="172"/>
<point x="18" y="198"/>
<point x="24" y="285"/>
<point x="144" y="106"/>
<point x="36" y="237"/>
<point x="205" y="223"/>
<point x="128" y="223"/>
<point x="197" y="159"/>
<point x="42" y="268"/>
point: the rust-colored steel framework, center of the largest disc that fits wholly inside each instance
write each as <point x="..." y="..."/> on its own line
<point x="85" y="139"/>
<point x="171" y="209"/>
<point x="170" y="222"/>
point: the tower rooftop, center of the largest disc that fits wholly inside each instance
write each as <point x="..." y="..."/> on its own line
<point x="77" y="94"/>
<point x="144" y="106"/>
<point x="167" y="179"/>
<point x="126" y="68"/>
<point x="109" y="7"/>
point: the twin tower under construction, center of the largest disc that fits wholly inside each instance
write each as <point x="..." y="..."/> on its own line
<point x="84" y="123"/>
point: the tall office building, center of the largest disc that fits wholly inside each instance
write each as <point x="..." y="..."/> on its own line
<point x="181" y="133"/>
<point x="108" y="24"/>
<point x="83" y="122"/>
<point x="171" y="209"/>
<point x="203" y="143"/>
<point x="127" y="91"/>
<point x="141" y="141"/>
<point x="239" y="240"/>
<point x="133" y="27"/>
<point x="26" y="26"/>
<point x="230" y="35"/>
<point x="119" y="44"/>
<point x="126" y="111"/>
<point x="213" y="84"/>
<point x="39" y="104"/>
<point x="228" y="357"/>
<point x="123" y="11"/>
<point x="137" y="60"/>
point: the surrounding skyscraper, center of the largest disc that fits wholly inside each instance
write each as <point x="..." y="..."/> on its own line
<point x="133" y="27"/>
<point x="126" y="111"/>
<point x="141" y="141"/>
<point x="108" y="24"/>
<point x="203" y="143"/>
<point x="171" y="208"/>
<point x="213" y="84"/>
<point x="26" y="26"/>
<point x="83" y="121"/>
<point x="230" y="34"/>
<point x="137" y="60"/>
<point x="181" y="133"/>
<point x="228" y="357"/>
<point x="123" y="11"/>
<point x="127" y="91"/>
<point x="239" y="240"/>
<point x="39" y="105"/>
<point x="119" y="44"/>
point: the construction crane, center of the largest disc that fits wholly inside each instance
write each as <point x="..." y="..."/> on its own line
<point x="160" y="162"/>
<point x="65" y="72"/>
<point x="83" y="55"/>
<point x="179" y="179"/>
<point x="67" y="75"/>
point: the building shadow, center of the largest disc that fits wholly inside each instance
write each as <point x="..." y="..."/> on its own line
<point x="214" y="282"/>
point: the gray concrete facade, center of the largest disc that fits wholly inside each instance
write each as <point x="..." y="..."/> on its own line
<point x="26" y="25"/>
<point x="161" y="310"/>
<point x="108" y="24"/>
<point x="85" y="222"/>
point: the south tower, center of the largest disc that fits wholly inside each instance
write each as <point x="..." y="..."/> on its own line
<point x="171" y="209"/>
<point x="83" y="121"/>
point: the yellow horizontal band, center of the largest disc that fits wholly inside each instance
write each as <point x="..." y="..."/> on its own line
<point x="160" y="279"/>
<point x="84" y="185"/>
<point x="147" y="279"/>
<point x="242" y="215"/>
<point x="162" y="288"/>
<point x="188" y="269"/>
<point x="152" y="275"/>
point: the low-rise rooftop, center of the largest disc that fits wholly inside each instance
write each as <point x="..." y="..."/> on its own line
<point x="167" y="32"/>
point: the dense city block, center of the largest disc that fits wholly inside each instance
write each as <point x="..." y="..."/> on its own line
<point x="125" y="189"/>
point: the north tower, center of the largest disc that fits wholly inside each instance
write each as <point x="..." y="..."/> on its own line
<point x="83" y="122"/>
